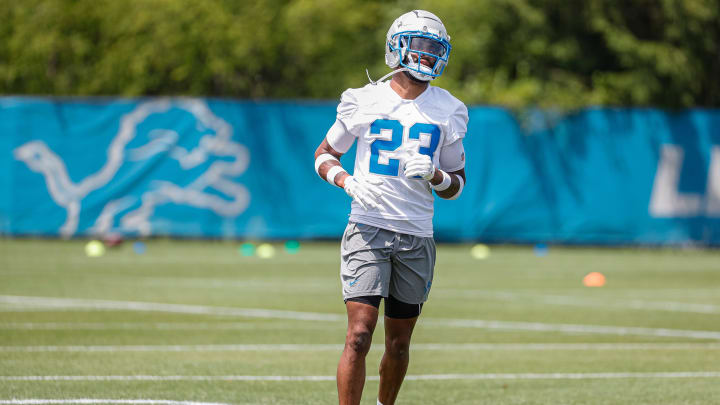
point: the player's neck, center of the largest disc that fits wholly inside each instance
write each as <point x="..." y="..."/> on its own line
<point x="407" y="88"/>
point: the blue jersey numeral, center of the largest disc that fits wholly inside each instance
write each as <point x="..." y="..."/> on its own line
<point x="392" y="168"/>
<point x="422" y="128"/>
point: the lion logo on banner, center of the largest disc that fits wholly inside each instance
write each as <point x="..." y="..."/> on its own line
<point x="199" y="165"/>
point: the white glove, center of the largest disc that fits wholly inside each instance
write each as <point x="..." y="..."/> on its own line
<point x="419" y="165"/>
<point x="363" y="191"/>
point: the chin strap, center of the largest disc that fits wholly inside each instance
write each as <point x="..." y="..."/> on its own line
<point x="386" y="76"/>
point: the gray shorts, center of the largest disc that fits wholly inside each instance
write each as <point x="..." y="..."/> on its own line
<point x="376" y="261"/>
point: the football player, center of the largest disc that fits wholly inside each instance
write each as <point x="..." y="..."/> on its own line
<point x="409" y="144"/>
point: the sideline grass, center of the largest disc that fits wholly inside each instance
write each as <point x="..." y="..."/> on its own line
<point x="646" y="288"/>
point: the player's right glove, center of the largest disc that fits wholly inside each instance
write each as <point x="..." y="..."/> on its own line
<point x="363" y="191"/>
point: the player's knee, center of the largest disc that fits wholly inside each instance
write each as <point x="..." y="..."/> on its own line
<point x="358" y="340"/>
<point x="398" y="347"/>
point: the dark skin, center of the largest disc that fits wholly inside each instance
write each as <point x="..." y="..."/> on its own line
<point x="362" y="318"/>
<point x="340" y="177"/>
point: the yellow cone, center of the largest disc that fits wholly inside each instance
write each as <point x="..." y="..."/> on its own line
<point x="265" y="251"/>
<point x="480" y="251"/>
<point x="94" y="248"/>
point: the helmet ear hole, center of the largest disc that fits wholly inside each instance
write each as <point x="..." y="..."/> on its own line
<point x="391" y="59"/>
<point x="392" y="55"/>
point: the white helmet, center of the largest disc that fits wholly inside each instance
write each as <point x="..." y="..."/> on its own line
<point x="422" y="34"/>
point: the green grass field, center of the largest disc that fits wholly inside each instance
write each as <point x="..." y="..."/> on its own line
<point x="196" y="321"/>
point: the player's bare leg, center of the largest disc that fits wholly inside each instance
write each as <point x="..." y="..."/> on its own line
<point x="362" y="319"/>
<point x="394" y="362"/>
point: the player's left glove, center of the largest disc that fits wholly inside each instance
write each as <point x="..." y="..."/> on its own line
<point x="419" y="165"/>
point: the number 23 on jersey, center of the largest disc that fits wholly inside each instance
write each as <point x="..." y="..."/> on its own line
<point x="392" y="168"/>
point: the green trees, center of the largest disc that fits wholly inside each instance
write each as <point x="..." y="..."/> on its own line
<point x="516" y="53"/>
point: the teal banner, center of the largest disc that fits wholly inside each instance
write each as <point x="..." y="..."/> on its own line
<point x="236" y="169"/>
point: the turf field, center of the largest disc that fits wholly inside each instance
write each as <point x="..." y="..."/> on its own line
<point x="197" y="322"/>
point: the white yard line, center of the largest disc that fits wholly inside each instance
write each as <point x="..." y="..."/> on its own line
<point x="161" y="326"/>
<point x="420" y="377"/>
<point x="563" y="376"/>
<point x="102" y="401"/>
<point x="176" y="348"/>
<point x="670" y="306"/>
<point x="165" y="378"/>
<point x="128" y="326"/>
<point x="201" y="259"/>
<point x="338" y="347"/>
<point x="573" y="328"/>
<point x="635" y="304"/>
<point x="307" y="285"/>
<point x="74" y="303"/>
<point x="563" y="346"/>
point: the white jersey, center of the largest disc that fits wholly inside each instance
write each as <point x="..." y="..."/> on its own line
<point x="387" y="128"/>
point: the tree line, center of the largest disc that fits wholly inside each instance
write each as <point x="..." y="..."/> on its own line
<point x="515" y="53"/>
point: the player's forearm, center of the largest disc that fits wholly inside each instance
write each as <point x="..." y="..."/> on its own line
<point x="452" y="191"/>
<point x="327" y="165"/>
<point x="449" y="187"/>
<point x="340" y="179"/>
<point x="338" y="176"/>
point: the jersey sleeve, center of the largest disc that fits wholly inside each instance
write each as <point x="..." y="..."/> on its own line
<point x="457" y="124"/>
<point x="452" y="157"/>
<point x="339" y="138"/>
<point x="347" y="109"/>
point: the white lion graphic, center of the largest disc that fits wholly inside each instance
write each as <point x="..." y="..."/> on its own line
<point x="228" y="160"/>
